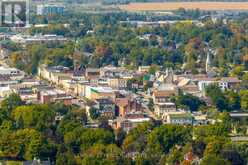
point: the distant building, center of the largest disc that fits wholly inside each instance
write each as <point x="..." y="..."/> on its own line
<point x="28" y="39"/>
<point x="92" y="73"/>
<point x="54" y="74"/>
<point x="179" y="118"/>
<point x="113" y="72"/>
<point x="50" y="9"/>
<point x="117" y="83"/>
<point x="54" y="95"/>
<point x="229" y="83"/>
<point x="144" y="68"/>
<point x="129" y="122"/>
<point x="11" y="73"/>
<point x="105" y="107"/>
<point x="94" y="93"/>
<point x="127" y="106"/>
<point x="162" y="103"/>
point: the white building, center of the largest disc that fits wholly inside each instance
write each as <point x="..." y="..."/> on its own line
<point x="50" y="9"/>
<point x="13" y="73"/>
<point x="27" y="39"/>
<point x="178" y="118"/>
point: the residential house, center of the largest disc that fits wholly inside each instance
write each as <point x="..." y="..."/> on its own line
<point x="178" y="118"/>
<point x="229" y="83"/>
<point x="204" y="82"/>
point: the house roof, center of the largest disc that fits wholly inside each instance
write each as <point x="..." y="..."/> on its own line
<point x="190" y="88"/>
<point x="92" y="70"/>
<point x="179" y="116"/>
<point x="164" y="93"/>
<point x="122" y="102"/>
<point x="184" y="82"/>
<point x="230" y="79"/>
<point x="104" y="101"/>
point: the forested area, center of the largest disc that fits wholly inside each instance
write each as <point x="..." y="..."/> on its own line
<point x="103" y="40"/>
<point x="30" y="131"/>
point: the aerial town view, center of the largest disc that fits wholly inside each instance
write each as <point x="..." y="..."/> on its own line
<point x="123" y="82"/>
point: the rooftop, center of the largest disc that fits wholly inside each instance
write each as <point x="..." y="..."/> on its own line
<point x="102" y="89"/>
<point x="182" y="115"/>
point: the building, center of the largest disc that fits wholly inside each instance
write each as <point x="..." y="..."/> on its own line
<point x="28" y="95"/>
<point x="200" y="119"/>
<point x="117" y="83"/>
<point x="162" y="103"/>
<point x="5" y="91"/>
<point x="204" y="82"/>
<point x="6" y="80"/>
<point x="53" y="95"/>
<point x="161" y="108"/>
<point x="188" y="87"/>
<point x="162" y="96"/>
<point x="166" y="77"/>
<point x="13" y="73"/>
<point x="127" y="105"/>
<point x="129" y="122"/>
<point x="178" y="118"/>
<point x="38" y="39"/>
<point x="229" y="83"/>
<point x="94" y="93"/>
<point x="54" y="74"/>
<point x="4" y="53"/>
<point x="92" y="73"/>
<point x="144" y="68"/>
<point x="112" y="72"/>
<point x="105" y="107"/>
<point x="50" y="9"/>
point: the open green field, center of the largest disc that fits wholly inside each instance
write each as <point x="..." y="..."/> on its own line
<point x="170" y="6"/>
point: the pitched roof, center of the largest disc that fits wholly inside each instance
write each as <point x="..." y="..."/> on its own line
<point x="122" y="102"/>
<point x="165" y="93"/>
<point x="231" y="79"/>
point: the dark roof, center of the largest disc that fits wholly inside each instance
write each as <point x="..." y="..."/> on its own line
<point x="104" y="101"/>
<point x="36" y="162"/>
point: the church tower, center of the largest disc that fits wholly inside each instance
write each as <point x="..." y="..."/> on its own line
<point x="169" y="78"/>
<point x="208" y="63"/>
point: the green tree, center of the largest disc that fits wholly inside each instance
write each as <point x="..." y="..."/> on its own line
<point x="166" y="136"/>
<point x="214" y="160"/>
<point x="22" y="144"/>
<point x="11" y="102"/>
<point x="101" y="154"/>
<point x="34" y="116"/>
<point x="217" y="97"/>
<point x="244" y="99"/>
<point x="192" y="102"/>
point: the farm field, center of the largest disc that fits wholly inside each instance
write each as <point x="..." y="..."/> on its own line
<point x="170" y="6"/>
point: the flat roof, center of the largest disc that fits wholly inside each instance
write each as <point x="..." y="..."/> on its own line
<point x="239" y="114"/>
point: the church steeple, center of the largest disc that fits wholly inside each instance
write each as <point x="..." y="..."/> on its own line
<point x="169" y="78"/>
<point x="208" y="62"/>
